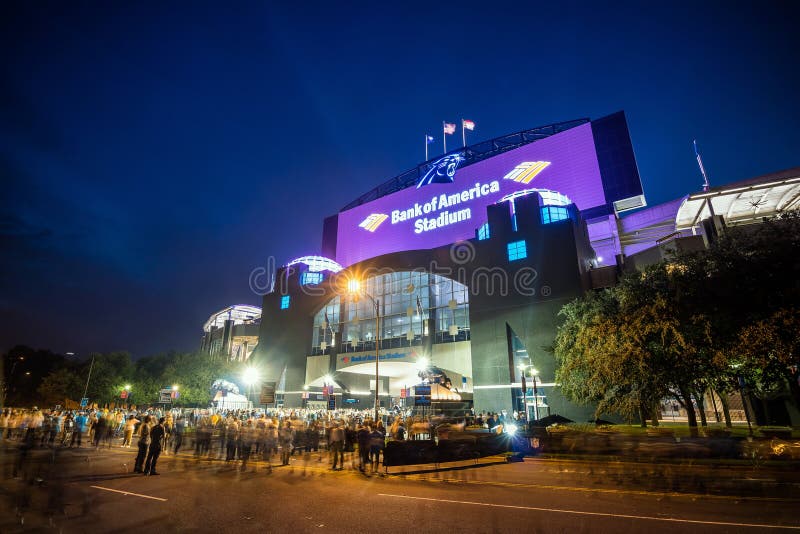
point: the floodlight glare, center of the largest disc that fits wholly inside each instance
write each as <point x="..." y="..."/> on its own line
<point x="250" y="376"/>
<point x="353" y="285"/>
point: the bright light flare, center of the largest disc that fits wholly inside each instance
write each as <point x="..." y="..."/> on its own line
<point x="353" y="286"/>
<point x="250" y="376"/>
<point x="422" y="363"/>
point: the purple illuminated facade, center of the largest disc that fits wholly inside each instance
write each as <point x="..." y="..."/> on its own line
<point x="439" y="214"/>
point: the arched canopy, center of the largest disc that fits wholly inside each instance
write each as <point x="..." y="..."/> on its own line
<point x="238" y="313"/>
<point x="743" y="202"/>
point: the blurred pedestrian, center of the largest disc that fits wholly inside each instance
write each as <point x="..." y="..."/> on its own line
<point x="157" y="434"/>
<point x="286" y="440"/>
<point x="337" y="446"/>
<point x="143" y="443"/>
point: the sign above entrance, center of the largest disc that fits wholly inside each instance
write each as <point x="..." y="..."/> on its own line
<point x="347" y="360"/>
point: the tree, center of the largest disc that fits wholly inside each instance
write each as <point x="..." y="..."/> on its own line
<point x="60" y="385"/>
<point x="692" y="322"/>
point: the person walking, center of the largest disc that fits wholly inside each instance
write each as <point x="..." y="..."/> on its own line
<point x="80" y="428"/>
<point x="180" y="425"/>
<point x="337" y="446"/>
<point x="362" y="436"/>
<point x="377" y="440"/>
<point x="157" y="434"/>
<point x="143" y="443"/>
<point x="286" y="438"/>
<point x="130" y="426"/>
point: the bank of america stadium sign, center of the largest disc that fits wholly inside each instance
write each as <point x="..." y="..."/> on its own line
<point x="450" y="201"/>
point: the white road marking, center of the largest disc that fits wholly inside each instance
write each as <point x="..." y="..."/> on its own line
<point x="579" y="512"/>
<point x="130" y="493"/>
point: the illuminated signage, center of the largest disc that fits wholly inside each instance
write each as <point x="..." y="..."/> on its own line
<point x="437" y="204"/>
<point x="446" y="211"/>
<point x="373" y="221"/>
<point x="442" y="170"/>
<point x="526" y="171"/>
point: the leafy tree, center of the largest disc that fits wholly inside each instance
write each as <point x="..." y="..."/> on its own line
<point x="691" y="322"/>
<point x="60" y="385"/>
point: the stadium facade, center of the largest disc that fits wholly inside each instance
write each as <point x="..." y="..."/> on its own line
<point x="463" y="264"/>
<point x="231" y="333"/>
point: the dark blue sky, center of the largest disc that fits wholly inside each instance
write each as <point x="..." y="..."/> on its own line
<point x="153" y="153"/>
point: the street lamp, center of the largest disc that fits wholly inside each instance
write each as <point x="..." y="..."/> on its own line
<point x="524" y="386"/>
<point x="534" y="372"/>
<point x="354" y="287"/>
<point x="250" y="376"/>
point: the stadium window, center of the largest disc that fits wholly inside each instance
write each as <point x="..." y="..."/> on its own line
<point x="483" y="232"/>
<point x="285" y="302"/>
<point x="517" y="251"/>
<point x="551" y="214"/>
<point x="310" y="278"/>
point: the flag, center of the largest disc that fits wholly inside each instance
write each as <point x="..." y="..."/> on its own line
<point x="428" y="139"/>
<point x="449" y="128"/>
<point x="469" y="125"/>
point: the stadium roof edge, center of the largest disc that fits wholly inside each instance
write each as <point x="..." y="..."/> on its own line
<point x="472" y="154"/>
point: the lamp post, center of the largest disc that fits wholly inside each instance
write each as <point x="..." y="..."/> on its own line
<point x="250" y="377"/>
<point x="127" y="389"/>
<point x="533" y="372"/>
<point x="522" y="368"/>
<point x="354" y="286"/>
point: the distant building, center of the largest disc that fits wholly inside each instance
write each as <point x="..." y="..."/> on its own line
<point x="232" y="332"/>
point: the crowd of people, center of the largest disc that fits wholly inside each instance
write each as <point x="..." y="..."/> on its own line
<point x="232" y="436"/>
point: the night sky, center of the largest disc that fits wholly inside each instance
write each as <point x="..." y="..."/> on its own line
<point x="153" y="153"/>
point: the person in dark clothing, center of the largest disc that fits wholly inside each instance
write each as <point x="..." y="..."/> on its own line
<point x="143" y="443"/>
<point x="363" y="446"/>
<point x="180" y="424"/>
<point x="157" y="434"/>
<point x="99" y="430"/>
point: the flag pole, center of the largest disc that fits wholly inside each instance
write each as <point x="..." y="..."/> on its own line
<point x="463" y="134"/>
<point x="444" y="140"/>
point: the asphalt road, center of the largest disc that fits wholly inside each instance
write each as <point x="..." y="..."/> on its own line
<point x="87" y="491"/>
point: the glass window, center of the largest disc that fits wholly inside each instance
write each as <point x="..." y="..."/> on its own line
<point x="483" y="232"/>
<point x="517" y="251"/>
<point x="551" y="214"/>
<point x="310" y="278"/>
<point x="285" y="302"/>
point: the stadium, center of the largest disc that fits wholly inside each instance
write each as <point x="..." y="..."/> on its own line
<point x="452" y="274"/>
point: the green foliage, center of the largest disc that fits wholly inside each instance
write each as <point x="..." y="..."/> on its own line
<point x="693" y="321"/>
<point x="59" y="385"/>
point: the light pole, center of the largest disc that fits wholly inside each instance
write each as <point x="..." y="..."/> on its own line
<point x="251" y="377"/>
<point x="354" y="286"/>
<point x="524" y="391"/>
<point x="533" y="372"/>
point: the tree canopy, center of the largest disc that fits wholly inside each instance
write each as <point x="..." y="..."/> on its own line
<point x="693" y="321"/>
